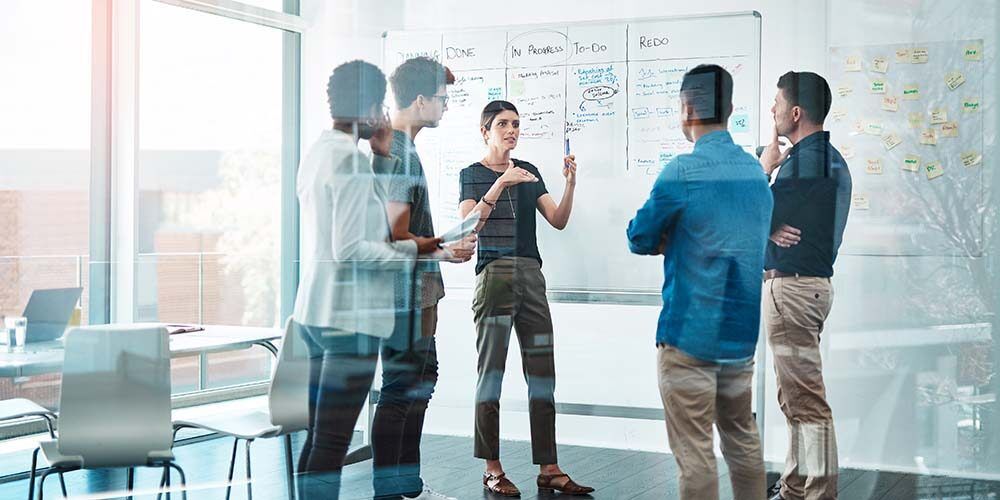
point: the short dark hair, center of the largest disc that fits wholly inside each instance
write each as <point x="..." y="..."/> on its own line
<point x="808" y="91"/>
<point x="353" y="89"/>
<point x="493" y="109"/>
<point x="708" y="89"/>
<point x="416" y="77"/>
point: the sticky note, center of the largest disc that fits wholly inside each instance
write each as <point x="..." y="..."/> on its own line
<point x="919" y="56"/>
<point x="873" y="128"/>
<point x="877" y="86"/>
<point x="970" y="105"/>
<point x="949" y="129"/>
<point x="934" y="170"/>
<point x="890" y="103"/>
<point x="852" y="64"/>
<point x="516" y="88"/>
<point x="890" y="141"/>
<point x="973" y="52"/>
<point x="971" y="158"/>
<point x="938" y="116"/>
<point x="903" y="56"/>
<point x="847" y="152"/>
<point x="916" y="120"/>
<point x="911" y="163"/>
<point x="928" y="137"/>
<point x="954" y="80"/>
<point x="844" y="90"/>
<point x="874" y="167"/>
<point x="880" y="65"/>
<point x="739" y="123"/>
<point x="860" y="202"/>
<point x="911" y="92"/>
<point x="838" y="114"/>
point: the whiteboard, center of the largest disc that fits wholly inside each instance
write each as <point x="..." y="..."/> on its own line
<point x="612" y="89"/>
<point x="893" y="115"/>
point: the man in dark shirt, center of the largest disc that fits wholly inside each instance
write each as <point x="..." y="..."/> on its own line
<point x="409" y="357"/>
<point x="812" y="195"/>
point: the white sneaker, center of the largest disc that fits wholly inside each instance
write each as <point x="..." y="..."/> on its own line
<point x="430" y="494"/>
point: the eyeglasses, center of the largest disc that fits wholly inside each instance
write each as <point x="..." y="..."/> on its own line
<point x="444" y="98"/>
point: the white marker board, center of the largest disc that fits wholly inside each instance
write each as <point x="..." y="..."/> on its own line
<point x="612" y="89"/>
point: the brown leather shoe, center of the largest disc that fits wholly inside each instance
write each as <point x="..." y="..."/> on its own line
<point x="500" y="485"/>
<point x="550" y="482"/>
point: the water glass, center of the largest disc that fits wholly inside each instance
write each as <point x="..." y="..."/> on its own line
<point x="20" y="326"/>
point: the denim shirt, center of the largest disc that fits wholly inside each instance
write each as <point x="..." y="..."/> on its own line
<point x="710" y="211"/>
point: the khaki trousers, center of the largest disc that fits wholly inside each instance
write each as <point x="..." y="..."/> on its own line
<point x="795" y="309"/>
<point x="510" y="292"/>
<point x="697" y="394"/>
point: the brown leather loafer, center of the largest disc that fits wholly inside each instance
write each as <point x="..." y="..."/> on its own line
<point x="500" y="485"/>
<point x="550" y="482"/>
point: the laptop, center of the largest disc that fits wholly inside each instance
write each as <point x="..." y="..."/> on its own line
<point x="49" y="311"/>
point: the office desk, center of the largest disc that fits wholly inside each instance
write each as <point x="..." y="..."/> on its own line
<point x="47" y="357"/>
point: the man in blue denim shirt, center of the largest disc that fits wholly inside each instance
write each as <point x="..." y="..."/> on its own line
<point x="709" y="214"/>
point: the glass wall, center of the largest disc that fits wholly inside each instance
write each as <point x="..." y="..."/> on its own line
<point x="908" y="350"/>
<point x="44" y="161"/>
<point x="209" y="177"/>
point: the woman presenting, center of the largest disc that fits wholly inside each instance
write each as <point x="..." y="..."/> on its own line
<point x="510" y="292"/>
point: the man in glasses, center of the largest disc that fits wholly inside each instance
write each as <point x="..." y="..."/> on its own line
<point x="409" y="357"/>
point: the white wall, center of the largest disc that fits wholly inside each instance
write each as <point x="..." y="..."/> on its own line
<point x="605" y="354"/>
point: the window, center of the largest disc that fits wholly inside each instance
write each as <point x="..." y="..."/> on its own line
<point x="44" y="161"/>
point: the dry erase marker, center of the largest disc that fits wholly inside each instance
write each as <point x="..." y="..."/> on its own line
<point x="567" y="146"/>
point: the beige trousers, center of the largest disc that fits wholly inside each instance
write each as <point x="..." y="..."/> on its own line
<point x="697" y="394"/>
<point x="795" y="309"/>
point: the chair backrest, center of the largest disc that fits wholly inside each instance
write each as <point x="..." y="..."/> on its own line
<point x="288" y="396"/>
<point x="115" y="401"/>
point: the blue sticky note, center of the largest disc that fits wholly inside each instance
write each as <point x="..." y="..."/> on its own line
<point x="739" y="123"/>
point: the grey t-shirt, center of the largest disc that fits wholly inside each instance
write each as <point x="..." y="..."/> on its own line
<point x="408" y="184"/>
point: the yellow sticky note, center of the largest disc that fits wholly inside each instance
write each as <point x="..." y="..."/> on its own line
<point x="890" y="103"/>
<point x="973" y="52"/>
<point x="919" y="56"/>
<point x="838" y="114"/>
<point x="873" y="128"/>
<point x="852" y="64"/>
<point x="844" y="90"/>
<point x="890" y="141"/>
<point x="928" y="137"/>
<point x="847" y="152"/>
<point x="970" y="105"/>
<point x="971" y="158"/>
<point x="916" y="120"/>
<point x="878" y="86"/>
<point x="860" y="201"/>
<point x="954" y="80"/>
<point x="911" y="163"/>
<point x="880" y="65"/>
<point x="903" y="56"/>
<point x="938" y="116"/>
<point x="934" y="170"/>
<point x="874" y="167"/>
<point x="911" y="92"/>
<point x="949" y="129"/>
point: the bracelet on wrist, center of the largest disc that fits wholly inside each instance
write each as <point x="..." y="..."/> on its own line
<point x="491" y="204"/>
